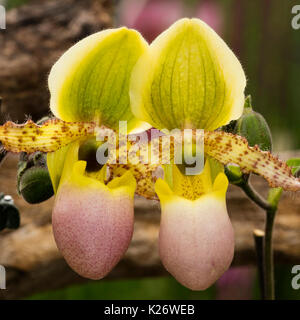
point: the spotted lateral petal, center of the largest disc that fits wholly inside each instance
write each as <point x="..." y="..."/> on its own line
<point x="229" y="148"/>
<point x="224" y="147"/>
<point x="50" y="136"/>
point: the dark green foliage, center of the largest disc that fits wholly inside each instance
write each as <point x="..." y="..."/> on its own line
<point x="9" y="214"/>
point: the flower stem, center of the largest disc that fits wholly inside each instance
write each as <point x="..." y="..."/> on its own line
<point x="255" y="196"/>
<point x="259" y="237"/>
<point x="265" y="251"/>
<point x="268" y="255"/>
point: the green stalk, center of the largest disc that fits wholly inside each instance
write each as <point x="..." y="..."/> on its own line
<point x="273" y="200"/>
<point x="268" y="256"/>
<point x="265" y="252"/>
<point x="259" y="237"/>
<point x="255" y="196"/>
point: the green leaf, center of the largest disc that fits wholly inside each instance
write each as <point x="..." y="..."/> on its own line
<point x="275" y="193"/>
<point x="294" y="163"/>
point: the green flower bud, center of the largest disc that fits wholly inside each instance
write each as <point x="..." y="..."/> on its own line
<point x="253" y="126"/>
<point x="34" y="183"/>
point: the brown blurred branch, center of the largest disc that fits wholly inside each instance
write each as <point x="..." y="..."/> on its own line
<point x="36" y="35"/>
<point x="34" y="264"/>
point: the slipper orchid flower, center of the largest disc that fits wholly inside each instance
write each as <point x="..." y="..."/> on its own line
<point x="187" y="78"/>
<point x="194" y="80"/>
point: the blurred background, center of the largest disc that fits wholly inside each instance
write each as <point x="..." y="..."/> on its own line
<point x="260" y="34"/>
